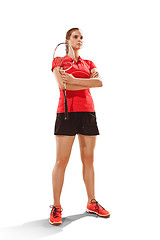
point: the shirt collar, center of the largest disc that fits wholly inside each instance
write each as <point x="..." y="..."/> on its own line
<point x="79" y="59"/>
<point x="71" y="59"/>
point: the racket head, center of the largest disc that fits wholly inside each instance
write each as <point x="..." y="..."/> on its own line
<point x="62" y="60"/>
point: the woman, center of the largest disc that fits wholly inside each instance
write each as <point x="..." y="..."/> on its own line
<point x="82" y="121"/>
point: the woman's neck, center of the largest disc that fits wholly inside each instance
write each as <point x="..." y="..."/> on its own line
<point x="75" y="55"/>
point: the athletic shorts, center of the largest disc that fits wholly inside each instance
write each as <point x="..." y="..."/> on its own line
<point x="79" y="122"/>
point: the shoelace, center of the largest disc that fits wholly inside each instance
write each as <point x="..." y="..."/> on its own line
<point x="97" y="205"/>
<point x="55" y="210"/>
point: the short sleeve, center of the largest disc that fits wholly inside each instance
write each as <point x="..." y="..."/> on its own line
<point x="57" y="62"/>
<point x="92" y="65"/>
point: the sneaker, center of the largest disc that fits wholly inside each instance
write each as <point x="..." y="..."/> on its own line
<point x="95" y="207"/>
<point x="56" y="215"/>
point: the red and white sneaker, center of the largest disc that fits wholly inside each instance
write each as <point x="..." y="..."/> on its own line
<point x="95" y="207"/>
<point x="55" y="215"/>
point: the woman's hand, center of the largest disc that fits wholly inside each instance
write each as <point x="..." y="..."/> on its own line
<point x="67" y="78"/>
<point x="94" y="75"/>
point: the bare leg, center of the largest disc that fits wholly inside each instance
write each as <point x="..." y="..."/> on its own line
<point x="63" y="151"/>
<point x="87" y="145"/>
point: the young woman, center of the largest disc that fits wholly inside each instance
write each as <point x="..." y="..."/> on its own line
<point x="82" y="121"/>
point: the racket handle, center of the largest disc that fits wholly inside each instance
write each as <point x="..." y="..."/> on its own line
<point x="66" y="109"/>
<point x="65" y="103"/>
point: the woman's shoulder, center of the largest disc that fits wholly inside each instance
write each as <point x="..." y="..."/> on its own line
<point x="84" y="59"/>
<point x="59" y="61"/>
<point x="89" y="63"/>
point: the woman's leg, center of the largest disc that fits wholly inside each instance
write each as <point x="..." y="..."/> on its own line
<point x="63" y="151"/>
<point x="87" y="145"/>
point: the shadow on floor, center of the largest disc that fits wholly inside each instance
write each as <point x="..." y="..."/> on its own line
<point x="40" y="228"/>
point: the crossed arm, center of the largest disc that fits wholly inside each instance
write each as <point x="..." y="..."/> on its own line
<point x="73" y="83"/>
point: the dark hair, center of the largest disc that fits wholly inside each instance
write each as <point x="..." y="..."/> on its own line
<point x="68" y="34"/>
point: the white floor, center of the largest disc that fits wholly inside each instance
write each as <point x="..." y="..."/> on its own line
<point x="129" y="192"/>
<point x="121" y="225"/>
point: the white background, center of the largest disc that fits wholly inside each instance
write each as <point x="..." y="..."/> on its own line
<point x="122" y="38"/>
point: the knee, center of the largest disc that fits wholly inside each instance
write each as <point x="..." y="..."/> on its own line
<point x="61" y="162"/>
<point x="87" y="160"/>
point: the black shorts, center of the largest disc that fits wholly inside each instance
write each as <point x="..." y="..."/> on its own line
<point x="79" y="122"/>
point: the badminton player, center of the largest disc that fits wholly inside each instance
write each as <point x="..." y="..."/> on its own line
<point x="82" y="121"/>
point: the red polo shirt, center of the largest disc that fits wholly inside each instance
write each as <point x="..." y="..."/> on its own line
<point x="80" y="100"/>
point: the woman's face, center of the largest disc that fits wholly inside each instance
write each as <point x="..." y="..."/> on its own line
<point x="76" y="40"/>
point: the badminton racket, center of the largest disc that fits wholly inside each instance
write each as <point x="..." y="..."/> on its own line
<point x="64" y="63"/>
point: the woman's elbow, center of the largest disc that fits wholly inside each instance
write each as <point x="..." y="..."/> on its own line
<point x="100" y="83"/>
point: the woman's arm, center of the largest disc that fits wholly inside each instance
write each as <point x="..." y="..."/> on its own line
<point x="94" y="76"/>
<point x="94" y="81"/>
<point x="90" y="83"/>
<point x="58" y="77"/>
